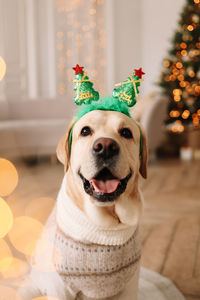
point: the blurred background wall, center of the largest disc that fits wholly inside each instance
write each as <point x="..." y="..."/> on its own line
<point x="142" y="32"/>
<point x="137" y="33"/>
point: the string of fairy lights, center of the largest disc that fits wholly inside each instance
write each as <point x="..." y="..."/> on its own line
<point x="80" y="37"/>
<point x="181" y="76"/>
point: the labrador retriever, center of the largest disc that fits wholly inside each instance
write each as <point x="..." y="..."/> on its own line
<point x="96" y="248"/>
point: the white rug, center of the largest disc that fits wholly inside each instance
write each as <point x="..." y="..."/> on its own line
<point x="153" y="286"/>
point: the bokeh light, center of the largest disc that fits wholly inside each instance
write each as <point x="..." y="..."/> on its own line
<point x="2" y="68"/>
<point x="6" y="218"/>
<point x="40" y="208"/>
<point x="190" y="27"/>
<point x="25" y="234"/>
<point x="16" y="269"/>
<point x="7" y="293"/>
<point x="8" y="177"/>
<point x="6" y="256"/>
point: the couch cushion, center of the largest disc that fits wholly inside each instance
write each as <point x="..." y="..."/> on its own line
<point x="36" y="109"/>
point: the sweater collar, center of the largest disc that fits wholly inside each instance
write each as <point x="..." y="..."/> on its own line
<point x="73" y="222"/>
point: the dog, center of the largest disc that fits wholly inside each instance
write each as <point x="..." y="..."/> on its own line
<point x="96" y="248"/>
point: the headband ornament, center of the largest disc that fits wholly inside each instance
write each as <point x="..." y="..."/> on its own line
<point x="128" y="90"/>
<point x="127" y="93"/>
<point x="83" y="87"/>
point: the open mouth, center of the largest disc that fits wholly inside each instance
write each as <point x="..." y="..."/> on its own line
<point x="104" y="186"/>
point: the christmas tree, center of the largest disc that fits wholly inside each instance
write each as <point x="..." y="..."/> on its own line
<point x="83" y="87"/>
<point x="128" y="90"/>
<point x="180" y="79"/>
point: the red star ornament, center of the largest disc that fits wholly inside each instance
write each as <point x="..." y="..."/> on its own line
<point x="78" y="69"/>
<point x="139" y="72"/>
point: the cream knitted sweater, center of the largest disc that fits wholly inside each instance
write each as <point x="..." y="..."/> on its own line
<point x="94" y="261"/>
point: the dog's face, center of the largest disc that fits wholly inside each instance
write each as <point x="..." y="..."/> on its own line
<point x="105" y="160"/>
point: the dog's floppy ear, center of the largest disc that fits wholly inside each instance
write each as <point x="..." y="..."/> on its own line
<point x="144" y="154"/>
<point x="63" y="151"/>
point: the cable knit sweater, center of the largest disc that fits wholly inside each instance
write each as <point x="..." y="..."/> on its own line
<point x="93" y="261"/>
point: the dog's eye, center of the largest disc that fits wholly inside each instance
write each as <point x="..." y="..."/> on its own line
<point x="126" y="133"/>
<point x="86" y="131"/>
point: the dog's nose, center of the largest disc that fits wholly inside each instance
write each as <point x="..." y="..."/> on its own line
<point x="105" y="148"/>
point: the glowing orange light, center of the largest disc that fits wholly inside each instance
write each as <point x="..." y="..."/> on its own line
<point x="9" y="293"/>
<point x="194" y="115"/>
<point x="180" y="77"/>
<point x="187" y="84"/>
<point x="179" y="65"/>
<point x="172" y="77"/>
<point x="16" y="269"/>
<point x="198" y="45"/>
<point x="198" y="113"/>
<point x="185" y="114"/>
<point x="190" y="27"/>
<point x="6" y="256"/>
<point x="177" y="127"/>
<point x="93" y="11"/>
<point x="183" y="45"/>
<point x="25" y="234"/>
<point x="8" y="177"/>
<point x="189" y="89"/>
<point x="174" y="113"/>
<point x="196" y="122"/>
<point x="196" y="1"/>
<point x="183" y="52"/>
<point x="177" y="98"/>
<point x="175" y="72"/>
<point x="2" y="68"/>
<point x="196" y="52"/>
<point x="191" y="73"/>
<point x="6" y="218"/>
<point x="167" y="78"/>
<point x="60" y="35"/>
<point x="166" y="63"/>
<point x="182" y="84"/>
<point x="177" y="92"/>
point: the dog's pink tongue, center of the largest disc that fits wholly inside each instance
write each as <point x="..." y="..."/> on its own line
<point x="106" y="187"/>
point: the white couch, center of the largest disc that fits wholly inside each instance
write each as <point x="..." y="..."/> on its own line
<point x="33" y="127"/>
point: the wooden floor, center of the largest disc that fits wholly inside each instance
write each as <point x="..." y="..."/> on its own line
<point x="171" y="224"/>
<point x="171" y="221"/>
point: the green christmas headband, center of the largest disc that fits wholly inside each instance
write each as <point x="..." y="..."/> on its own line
<point x="122" y="98"/>
<point x="127" y="92"/>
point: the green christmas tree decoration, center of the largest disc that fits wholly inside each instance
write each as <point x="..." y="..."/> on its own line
<point x="85" y="93"/>
<point x="128" y="90"/>
<point x="180" y="78"/>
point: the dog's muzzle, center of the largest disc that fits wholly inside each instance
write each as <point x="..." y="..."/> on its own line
<point x="105" y="187"/>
